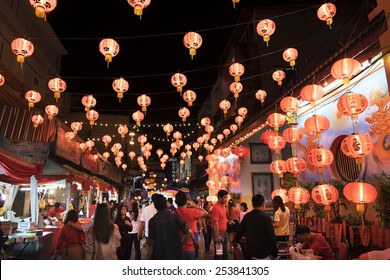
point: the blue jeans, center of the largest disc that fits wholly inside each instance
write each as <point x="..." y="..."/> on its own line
<point x="189" y="255"/>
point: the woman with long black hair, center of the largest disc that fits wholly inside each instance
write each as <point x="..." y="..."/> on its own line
<point x="281" y="220"/>
<point x="125" y="227"/>
<point x="135" y="216"/>
<point x="103" y="237"/>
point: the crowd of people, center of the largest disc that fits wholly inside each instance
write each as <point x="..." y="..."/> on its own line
<point x="171" y="229"/>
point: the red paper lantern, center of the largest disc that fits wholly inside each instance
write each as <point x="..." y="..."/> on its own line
<point x="89" y="144"/>
<point x="76" y="127"/>
<point x="209" y="129"/>
<point x="92" y="116"/>
<point x="280" y="192"/>
<point x="261" y="95"/>
<point x="184" y="113"/>
<point x="352" y="104"/>
<point x="265" y="136"/>
<point x="357" y="146"/>
<point x="106" y="140"/>
<point x="242" y="111"/>
<point x="37" y="120"/>
<point x="360" y="193"/>
<point x="345" y="69"/>
<point x="168" y="128"/>
<point x="236" y="70"/>
<point x="2" y="80"/>
<point x="325" y="194"/>
<point x="120" y="86"/>
<point x="289" y="104"/>
<point x="276" y="120"/>
<point x="22" y="48"/>
<point x="109" y="48"/>
<point x="225" y="106"/>
<point x="290" y="55"/>
<point x="138" y="6"/>
<point x="106" y="155"/>
<point x="144" y="101"/>
<point x="320" y="157"/>
<point x="292" y="135"/>
<point x="278" y="167"/>
<point x="266" y="28"/>
<point x="69" y="136"/>
<point x="326" y="13"/>
<point x="123" y="130"/>
<point x="236" y="88"/>
<point x="295" y="165"/>
<point x="299" y="196"/>
<point x="226" y="132"/>
<point x="241" y="152"/>
<point x="179" y="80"/>
<point x="312" y="93"/>
<point x="51" y="111"/>
<point x="138" y="117"/>
<point x="42" y="7"/>
<point x="189" y="96"/>
<point x="239" y="120"/>
<point x="233" y="128"/>
<point x="220" y="137"/>
<point x="276" y="143"/>
<point x="132" y="155"/>
<point x="205" y="121"/>
<point x="192" y="41"/>
<point x="32" y="97"/>
<point x="317" y="124"/>
<point x="57" y="85"/>
<point x="225" y="180"/>
<point x="88" y="101"/>
<point x="278" y="76"/>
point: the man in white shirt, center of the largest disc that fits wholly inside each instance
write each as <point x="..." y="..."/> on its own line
<point x="147" y="213"/>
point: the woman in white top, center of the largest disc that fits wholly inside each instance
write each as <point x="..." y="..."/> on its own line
<point x="135" y="216"/>
<point x="281" y="219"/>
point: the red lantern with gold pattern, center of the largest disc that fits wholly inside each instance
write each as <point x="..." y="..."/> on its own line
<point x="42" y="7"/>
<point x="326" y="13"/>
<point x="226" y="132"/>
<point x="352" y="104"/>
<point x="76" y="127"/>
<point x="357" y="146"/>
<point x="109" y="48"/>
<point x="92" y="116"/>
<point x="22" y="48"/>
<point x="320" y="157"/>
<point x="276" y="120"/>
<point x="293" y="135"/>
<point x="225" y="180"/>
<point x="220" y="137"/>
<point x="312" y="93"/>
<point x="205" y="121"/>
<point x="123" y="130"/>
<point x="168" y="128"/>
<point x="57" y="85"/>
<point x="69" y="136"/>
<point x="278" y="167"/>
<point x="236" y="70"/>
<point x="138" y="117"/>
<point x="242" y="111"/>
<point x="299" y="196"/>
<point x="51" y="111"/>
<point x="233" y="128"/>
<point x="290" y="55"/>
<point x="360" y="193"/>
<point x="189" y="96"/>
<point x="37" y="120"/>
<point x="278" y="76"/>
<point x="120" y="86"/>
<point x="225" y="106"/>
<point x="32" y="97"/>
<point x="317" y="124"/>
<point x="345" y="69"/>
<point x="261" y="95"/>
<point x="265" y="28"/>
<point x="276" y="143"/>
<point x="241" y="152"/>
<point x="192" y="41"/>
<point x="88" y="101"/>
<point x="239" y="120"/>
<point x="184" y="113"/>
<point x="106" y="140"/>
<point x="138" y="6"/>
<point x="179" y="80"/>
<point x="295" y="165"/>
<point x="265" y="136"/>
<point x="280" y="192"/>
<point x="236" y="88"/>
<point x="289" y="104"/>
<point x="144" y="101"/>
<point x="325" y="194"/>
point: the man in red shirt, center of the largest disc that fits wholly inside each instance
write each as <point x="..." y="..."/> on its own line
<point x="314" y="241"/>
<point x="219" y="220"/>
<point x="190" y="213"/>
<point x="56" y="211"/>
